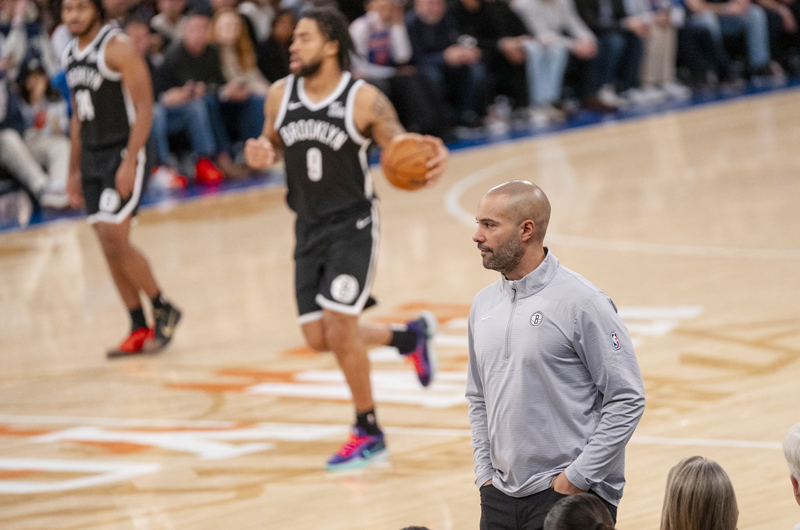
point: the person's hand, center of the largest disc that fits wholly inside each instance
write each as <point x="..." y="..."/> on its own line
<point x="437" y="164"/>
<point x="789" y="22"/>
<point x="584" y="48"/>
<point x="198" y="90"/>
<point x="513" y="49"/>
<point x="177" y="96"/>
<point x="662" y="19"/>
<point x="453" y="55"/>
<point x="398" y="15"/>
<point x="19" y="8"/>
<point x="637" y="26"/>
<point x="235" y="92"/>
<point x="487" y="482"/>
<point x="74" y="189"/>
<point x="737" y="7"/>
<point x="259" y="153"/>
<point x="126" y="174"/>
<point x="562" y="485"/>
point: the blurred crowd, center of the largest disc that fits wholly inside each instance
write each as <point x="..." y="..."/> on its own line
<point x="451" y="67"/>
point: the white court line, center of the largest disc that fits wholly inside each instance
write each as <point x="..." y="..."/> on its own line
<point x="411" y="431"/>
<point x="452" y="203"/>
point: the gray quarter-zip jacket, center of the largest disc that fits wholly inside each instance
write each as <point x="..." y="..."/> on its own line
<point x="553" y="384"/>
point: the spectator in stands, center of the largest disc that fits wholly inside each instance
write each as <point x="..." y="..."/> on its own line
<point x="33" y="41"/>
<point x="245" y="86"/>
<point x="501" y="37"/>
<point x="558" y="32"/>
<point x="169" y="21"/>
<point x="735" y="17"/>
<point x="699" y="496"/>
<point x="583" y="511"/>
<point x="191" y="79"/>
<point x="661" y="50"/>
<point x="383" y="50"/>
<point x="791" y="450"/>
<point x="784" y="37"/>
<point x="273" y="54"/>
<point x="46" y="127"/>
<point x="260" y="14"/>
<point x="616" y="67"/>
<point x="452" y="64"/>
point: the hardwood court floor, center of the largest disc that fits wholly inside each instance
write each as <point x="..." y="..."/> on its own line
<point x="689" y="221"/>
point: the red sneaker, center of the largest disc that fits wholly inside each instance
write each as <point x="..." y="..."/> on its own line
<point x="205" y="172"/>
<point x="134" y="344"/>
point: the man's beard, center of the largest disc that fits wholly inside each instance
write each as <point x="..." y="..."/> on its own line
<point x="308" y="70"/>
<point x="506" y="257"/>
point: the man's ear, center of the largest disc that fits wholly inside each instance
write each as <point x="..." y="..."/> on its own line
<point x="796" y="488"/>
<point x="331" y="46"/>
<point x="527" y="230"/>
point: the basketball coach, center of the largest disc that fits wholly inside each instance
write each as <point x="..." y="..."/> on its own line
<point x="554" y="388"/>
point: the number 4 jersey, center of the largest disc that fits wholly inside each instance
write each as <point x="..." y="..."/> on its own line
<point x="102" y="103"/>
<point x="327" y="172"/>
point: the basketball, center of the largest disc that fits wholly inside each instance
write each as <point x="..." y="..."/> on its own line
<point x="404" y="161"/>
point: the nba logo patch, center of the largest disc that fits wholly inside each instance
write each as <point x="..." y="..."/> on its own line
<point x="615" y="341"/>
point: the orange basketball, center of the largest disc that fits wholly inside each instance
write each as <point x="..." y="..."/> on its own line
<point x="404" y="161"/>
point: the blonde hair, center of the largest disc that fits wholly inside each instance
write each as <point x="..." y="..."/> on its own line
<point x="791" y="450"/>
<point x="245" y="55"/>
<point x="699" y="496"/>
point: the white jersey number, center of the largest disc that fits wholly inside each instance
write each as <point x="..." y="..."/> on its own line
<point x="83" y="100"/>
<point x="314" y="164"/>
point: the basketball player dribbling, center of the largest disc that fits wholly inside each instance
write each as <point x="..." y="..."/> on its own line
<point x="112" y="102"/>
<point x="322" y="121"/>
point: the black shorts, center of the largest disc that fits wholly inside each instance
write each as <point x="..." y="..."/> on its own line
<point x="335" y="264"/>
<point x="98" y="179"/>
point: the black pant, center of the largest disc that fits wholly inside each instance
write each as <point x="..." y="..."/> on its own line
<point x="503" y="512"/>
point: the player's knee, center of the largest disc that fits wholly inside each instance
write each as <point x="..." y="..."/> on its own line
<point x="338" y="334"/>
<point x="114" y="247"/>
<point x="317" y="342"/>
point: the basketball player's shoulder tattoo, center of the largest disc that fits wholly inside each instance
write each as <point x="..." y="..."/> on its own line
<point x="384" y="113"/>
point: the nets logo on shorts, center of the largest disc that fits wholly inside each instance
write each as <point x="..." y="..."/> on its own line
<point x="344" y="289"/>
<point x="615" y="341"/>
<point x="109" y="200"/>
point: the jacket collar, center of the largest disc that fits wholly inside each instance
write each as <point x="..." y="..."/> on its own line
<point x="534" y="281"/>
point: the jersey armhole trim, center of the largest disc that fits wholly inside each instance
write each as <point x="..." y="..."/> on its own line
<point x="101" y="58"/>
<point x="349" y="119"/>
<point x="287" y="94"/>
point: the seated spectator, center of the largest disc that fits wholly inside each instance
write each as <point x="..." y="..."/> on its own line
<point x="784" y="37"/>
<point x="658" y="82"/>
<point x="259" y="15"/>
<point x="616" y="66"/>
<point x="189" y="83"/>
<point x="32" y="41"/>
<point x="450" y="63"/>
<point x="558" y="32"/>
<point x="731" y="18"/>
<point x="46" y="128"/>
<point x="383" y="50"/>
<point x="169" y="21"/>
<point x="791" y="450"/>
<point x="245" y="86"/>
<point x="273" y="54"/>
<point x="583" y="511"/>
<point x="501" y="37"/>
<point x="699" y="496"/>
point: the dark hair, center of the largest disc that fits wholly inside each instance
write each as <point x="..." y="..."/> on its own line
<point x="579" y="512"/>
<point x="333" y="26"/>
<point x="98" y="4"/>
<point x="281" y="12"/>
<point x="33" y="67"/>
<point x="415" y="528"/>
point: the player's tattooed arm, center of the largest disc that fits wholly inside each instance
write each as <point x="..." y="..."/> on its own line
<point x="375" y="114"/>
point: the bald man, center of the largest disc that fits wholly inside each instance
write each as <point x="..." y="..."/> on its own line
<point x="554" y="388"/>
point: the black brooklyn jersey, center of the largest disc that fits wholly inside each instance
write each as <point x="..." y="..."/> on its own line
<point x="102" y="103"/>
<point x="327" y="173"/>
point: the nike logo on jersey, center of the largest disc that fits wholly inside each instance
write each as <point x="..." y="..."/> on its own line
<point x="294" y="106"/>
<point x="361" y="223"/>
<point x="486" y="317"/>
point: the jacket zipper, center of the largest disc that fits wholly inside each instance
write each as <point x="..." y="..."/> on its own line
<point x="510" y="322"/>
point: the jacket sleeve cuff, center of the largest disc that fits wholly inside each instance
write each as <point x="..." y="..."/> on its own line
<point x="483" y="479"/>
<point x="577" y="480"/>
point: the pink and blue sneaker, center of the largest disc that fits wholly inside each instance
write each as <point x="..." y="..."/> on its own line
<point x="424" y="356"/>
<point x="359" y="450"/>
